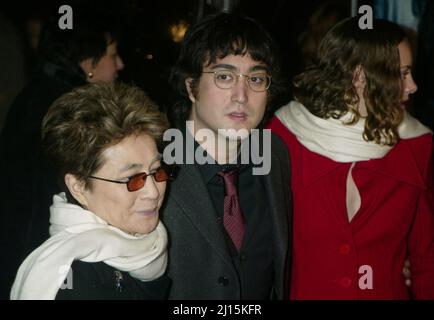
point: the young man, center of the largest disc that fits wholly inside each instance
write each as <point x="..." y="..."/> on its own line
<point x="227" y="240"/>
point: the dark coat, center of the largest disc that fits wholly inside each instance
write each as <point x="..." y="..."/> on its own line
<point x="200" y="264"/>
<point x="28" y="182"/>
<point x="99" y="281"/>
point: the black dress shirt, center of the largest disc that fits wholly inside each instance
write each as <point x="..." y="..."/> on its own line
<point x="254" y="261"/>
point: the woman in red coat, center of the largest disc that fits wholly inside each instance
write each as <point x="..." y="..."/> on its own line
<point x="362" y="170"/>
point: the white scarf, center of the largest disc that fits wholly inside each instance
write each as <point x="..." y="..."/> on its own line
<point x="333" y="139"/>
<point x="78" y="234"/>
<point x="341" y="143"/>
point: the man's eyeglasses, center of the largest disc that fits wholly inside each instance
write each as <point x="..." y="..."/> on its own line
<point x="226" y="79"/>
<point x="138" y="180"/>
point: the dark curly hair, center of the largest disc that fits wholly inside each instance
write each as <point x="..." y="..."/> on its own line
<point x="327" y="90"/>
<point x="215" y="37"/>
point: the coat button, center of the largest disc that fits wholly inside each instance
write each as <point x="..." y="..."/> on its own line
<point x="345" y="282"/>
<point x="223" y="281"/>
<point x="344" y="249"/>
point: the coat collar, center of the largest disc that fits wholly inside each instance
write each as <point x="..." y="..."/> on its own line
<point x="315" y="166"/>
<point x="402" y="164"/>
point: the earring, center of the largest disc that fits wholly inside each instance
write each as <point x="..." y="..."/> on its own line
<point x="90" y="75"/>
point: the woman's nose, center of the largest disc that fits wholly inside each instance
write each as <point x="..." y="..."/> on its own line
<point x="119" y="63"/>
<point x="412" y="86"/>
<point x="150" y="189"/>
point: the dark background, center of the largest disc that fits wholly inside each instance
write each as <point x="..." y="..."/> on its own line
<point x="148" y="50"/>
<point x="146" y="32"/>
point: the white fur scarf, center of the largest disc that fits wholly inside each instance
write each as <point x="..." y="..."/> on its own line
<point x="78" y="234"/>
<point x="341" y="143"/>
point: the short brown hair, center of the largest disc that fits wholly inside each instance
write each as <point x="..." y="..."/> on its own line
<point x="327" y="90"/>
<point x="81" y="124"/>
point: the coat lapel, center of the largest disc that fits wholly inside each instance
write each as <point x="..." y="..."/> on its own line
<point x="278" y="200"/>
<point x="191" y="195"/>
<point x="280" y="205"/>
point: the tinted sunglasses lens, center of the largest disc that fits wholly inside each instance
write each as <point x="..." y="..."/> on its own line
<point x="137" y="182"/>
<point x="161" y="175"/>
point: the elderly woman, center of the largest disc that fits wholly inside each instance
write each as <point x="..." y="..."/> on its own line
<point x="106" y="239"/>
<point x="69" y="59"/>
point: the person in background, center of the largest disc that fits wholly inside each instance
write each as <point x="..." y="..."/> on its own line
<point x="424" y="109"/>
<point x="325" y="16"/>
<point x="12" y="65"/>
<point x="224" y="245"/>
<point x="69" y="58"/>
<point x="106" y="239"/>
<point x="362" y="169"/>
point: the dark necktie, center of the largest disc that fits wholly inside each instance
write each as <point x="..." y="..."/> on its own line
<point x="233" y="219"/>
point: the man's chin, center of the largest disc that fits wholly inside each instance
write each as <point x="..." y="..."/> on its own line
<point x="234" y="134"/>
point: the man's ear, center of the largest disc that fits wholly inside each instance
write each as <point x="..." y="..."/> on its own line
<point x="359" y="78"/>
<point x="77" y="189"/>
<point x="189" y="85"/>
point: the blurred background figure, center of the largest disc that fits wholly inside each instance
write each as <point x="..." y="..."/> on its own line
<point x="425" y="68"/>
<point x="12" y="65"/>
<point x="67" y="59"/>
<point x="326" y="16"/>
<point x="205" y="7"/>
<point x="405" y="13"/>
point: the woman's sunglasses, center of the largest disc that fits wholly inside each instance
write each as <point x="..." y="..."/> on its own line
<point x="138" y="180"/>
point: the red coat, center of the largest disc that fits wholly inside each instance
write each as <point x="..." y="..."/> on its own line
<point x="395" y="220"/>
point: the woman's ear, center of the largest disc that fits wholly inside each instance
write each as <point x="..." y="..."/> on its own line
<point x="189" y="85"/>
<point x="87" y="65"/>
<point x="359" y="83"/>
<point x="77" y="189"/>
<point x="359" y="78"/>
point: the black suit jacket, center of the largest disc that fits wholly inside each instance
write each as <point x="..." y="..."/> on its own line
<point x="200" y="264"/>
